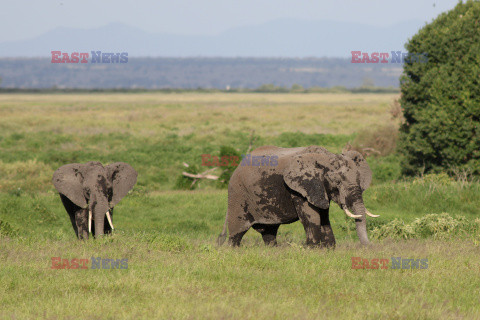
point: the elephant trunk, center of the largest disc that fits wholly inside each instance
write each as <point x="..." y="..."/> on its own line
<point x="361" y="223"/>
<point x="99" y="209"/>
<point x="99" y="223"/>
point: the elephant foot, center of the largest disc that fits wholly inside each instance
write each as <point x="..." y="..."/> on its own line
<point x="270" y="240"/>
<point x="329" y="245"/>
<point x="327" y="237"/>
<point x="268" y="232"/>
<point x="234" y="240"/>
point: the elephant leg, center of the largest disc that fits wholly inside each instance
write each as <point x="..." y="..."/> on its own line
<point x="73" y="211"/>
<point x="81" y="220"/>
<point x="238" y="225"/>
<point x="235" y="239"/>
<point x="74" y="224"/>
<point x="238" y="219"/>
<point x="268" y="232"/>
<point x="327" y="237"/>
<point x="310" y="219"/>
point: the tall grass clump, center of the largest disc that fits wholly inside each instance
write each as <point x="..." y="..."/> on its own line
<point x="380" y="141"/>
<point x="428" y="194"/>
<point x="436" y="226"/>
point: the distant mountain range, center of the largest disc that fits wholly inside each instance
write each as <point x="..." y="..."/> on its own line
<point x="278" y="38"/>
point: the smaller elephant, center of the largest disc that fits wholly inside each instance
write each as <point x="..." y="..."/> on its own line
<point x="89" y="193"/>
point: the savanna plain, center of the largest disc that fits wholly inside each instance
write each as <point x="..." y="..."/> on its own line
<point x="168" y="234"/>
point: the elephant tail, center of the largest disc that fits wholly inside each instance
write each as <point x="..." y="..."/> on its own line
<point x="223" y="236"/>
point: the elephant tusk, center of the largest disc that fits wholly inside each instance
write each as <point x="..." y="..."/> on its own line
<point x="351" y="215"/>
<point x="89" y="221"/>
<point x="109" y="219"/>
<point x="372" y="215"/>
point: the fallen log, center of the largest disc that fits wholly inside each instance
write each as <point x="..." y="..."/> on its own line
<point x="200" y="176"/>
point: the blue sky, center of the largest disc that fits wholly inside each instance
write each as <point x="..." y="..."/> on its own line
<point x="24" y="19"/>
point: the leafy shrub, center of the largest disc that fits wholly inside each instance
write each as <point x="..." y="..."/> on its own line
<point x="441" y="98"/>
<point x="438" y="179"/>
<point x="437" y="226"/>
<point x="395" y="229"/>
<point x="228" y="170"/>
<point x="186" y="183"/>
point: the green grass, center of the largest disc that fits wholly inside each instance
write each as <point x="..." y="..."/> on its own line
<point x="166" y="279"/>
<point x="175" y="270"/>
<point x="157" y="132"/>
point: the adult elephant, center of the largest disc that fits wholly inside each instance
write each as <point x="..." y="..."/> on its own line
<point x="277" y="186"/>
<point x="90" y="191"/>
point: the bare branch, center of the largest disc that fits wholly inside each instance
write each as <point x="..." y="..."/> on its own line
<point x="209" y="170"/>
<point x="200" y="176"/>
<point x="193" y="182"/>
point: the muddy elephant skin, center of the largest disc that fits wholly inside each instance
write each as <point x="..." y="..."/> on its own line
<point x="300" y="186"/>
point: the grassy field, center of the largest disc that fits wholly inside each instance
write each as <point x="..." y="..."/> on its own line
<point x="175" y="270"/>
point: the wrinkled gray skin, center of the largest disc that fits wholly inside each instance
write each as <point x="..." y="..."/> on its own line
<point x="91" y="186"/>
<point x="300" y="187"/>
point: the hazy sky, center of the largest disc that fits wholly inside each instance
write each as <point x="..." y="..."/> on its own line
<point x="23" y="19"/>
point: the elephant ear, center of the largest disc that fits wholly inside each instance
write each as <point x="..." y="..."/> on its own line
<point x="362" y="166"/>
<point x="68" y="180"/>
<point x="123" y="178"/>
<point x="305" y="175"/>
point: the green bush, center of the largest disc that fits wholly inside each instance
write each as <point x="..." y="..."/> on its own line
<point x="227" y="172"/>
<point x="186" y="183"/>
<point x="395" y="229"/>
<point x="437" y="226"/>
<point x="227" y="166"/>
<point x="441" y="98"/>
<point x="437" y="179"/>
